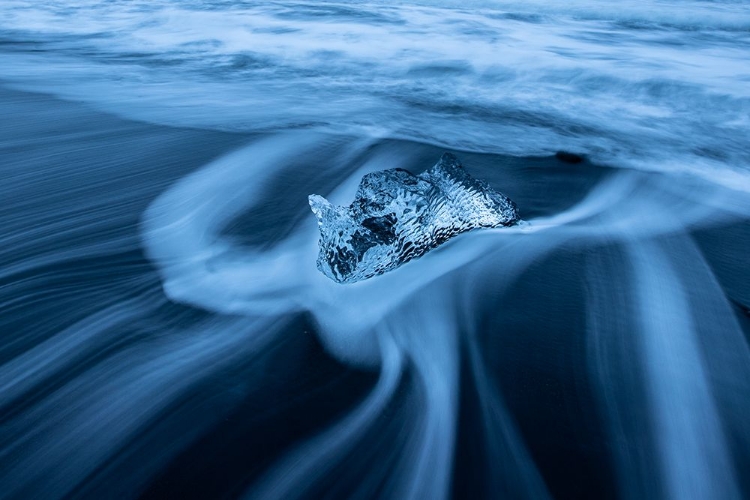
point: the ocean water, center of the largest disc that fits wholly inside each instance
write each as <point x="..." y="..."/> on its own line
<point x="165" y="333"/>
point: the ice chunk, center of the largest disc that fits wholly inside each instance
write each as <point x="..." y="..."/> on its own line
<point x="397" y="216"/>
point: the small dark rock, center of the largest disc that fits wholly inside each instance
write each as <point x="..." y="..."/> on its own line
<point x="567" y="157"/>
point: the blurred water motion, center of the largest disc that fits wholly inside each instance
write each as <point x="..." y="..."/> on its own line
<point x="167" y="335"/>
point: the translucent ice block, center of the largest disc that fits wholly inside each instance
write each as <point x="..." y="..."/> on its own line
<point x="397" y="216"/>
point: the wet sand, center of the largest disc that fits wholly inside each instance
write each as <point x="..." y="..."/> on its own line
<point x="111" y="389"/>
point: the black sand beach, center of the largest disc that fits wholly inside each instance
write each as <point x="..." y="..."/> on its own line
<point x="111" y="389"/>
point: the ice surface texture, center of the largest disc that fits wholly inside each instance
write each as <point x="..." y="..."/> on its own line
<point x="397" y="216"/>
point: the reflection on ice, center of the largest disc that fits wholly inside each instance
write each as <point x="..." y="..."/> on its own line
<point x="397" y="216"/>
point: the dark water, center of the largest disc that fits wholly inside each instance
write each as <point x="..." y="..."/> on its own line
<point x="165" y="333"/>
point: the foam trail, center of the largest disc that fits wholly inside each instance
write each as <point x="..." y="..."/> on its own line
<point x="430" y="339"/>
<point x="724" y="348"/>
<point x="693" y="456"/>
<point x="619" y="388"/>
<point x="22" y="373"/>
<point x="297" y="473"/>
<point x="96" y="413"/>
<point x="512" y="471"/>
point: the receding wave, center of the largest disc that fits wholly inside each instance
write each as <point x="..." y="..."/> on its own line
<point x="614" y="83"/>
